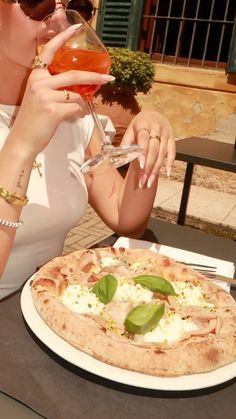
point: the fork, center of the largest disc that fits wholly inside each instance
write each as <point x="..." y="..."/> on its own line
<point x="210" y="272"/>
<point x="202" y="268"/>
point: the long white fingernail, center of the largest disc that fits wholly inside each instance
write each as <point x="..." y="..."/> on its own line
<point x="72" y="28"/>
<point x="107" y="77"/>
<point x="142" y="181"/>
<point x="141" y="160"/>
<point x="168" y="172"/>
<point x="151" y="180"/>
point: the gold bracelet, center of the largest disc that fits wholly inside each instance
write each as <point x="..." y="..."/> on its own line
<point x="11" y="198"/>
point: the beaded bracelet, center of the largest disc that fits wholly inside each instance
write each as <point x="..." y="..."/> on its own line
<point x="11" y="224"/>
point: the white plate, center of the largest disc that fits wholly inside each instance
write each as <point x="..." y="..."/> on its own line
<point x="90" y="364"/>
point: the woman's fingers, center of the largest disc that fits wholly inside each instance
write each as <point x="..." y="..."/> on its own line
<point x="63" y="96"/>
<point x="155" y="154"/>
<point x="66" y="110"/>
<point x="171" y="153"/>
<point x="159" y="151"/>
<point x="41" y="81"/>
<point x="152" y="131"/>
<point x="66" y="97"/>
<point x="76" y="77"/>
<point x="47" y="51"/>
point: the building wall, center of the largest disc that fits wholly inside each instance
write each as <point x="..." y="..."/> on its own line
<point x="198" y="103"/>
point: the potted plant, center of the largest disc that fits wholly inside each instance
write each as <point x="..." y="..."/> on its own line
<point x="134" y="73"/>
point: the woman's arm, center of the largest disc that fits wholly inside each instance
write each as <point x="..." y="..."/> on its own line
<point x="15" y="169"/>
<point x="125" y="204"/>
<point x="43" y="107"/>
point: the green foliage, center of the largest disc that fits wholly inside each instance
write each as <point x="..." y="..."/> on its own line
<point x="133" y="70"/>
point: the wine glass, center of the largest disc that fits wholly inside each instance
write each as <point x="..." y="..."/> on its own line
<point x="84" y="51"/>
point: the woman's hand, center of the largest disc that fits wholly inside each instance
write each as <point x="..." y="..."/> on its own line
<point x="153" y="132"/>
<point x="44" y="106"/>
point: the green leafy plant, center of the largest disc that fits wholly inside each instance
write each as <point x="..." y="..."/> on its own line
<point x="133" y="70"/>
<point x="134" y="73"/>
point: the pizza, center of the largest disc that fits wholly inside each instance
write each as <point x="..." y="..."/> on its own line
<point x="138" y="310"/>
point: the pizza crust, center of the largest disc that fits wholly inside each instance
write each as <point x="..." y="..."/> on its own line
<point x="86" y="332"/>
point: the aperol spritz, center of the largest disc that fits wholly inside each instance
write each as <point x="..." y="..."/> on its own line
<point x="84" y="51"/>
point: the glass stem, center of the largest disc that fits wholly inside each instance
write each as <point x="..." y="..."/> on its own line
<point x="104" y="138"/>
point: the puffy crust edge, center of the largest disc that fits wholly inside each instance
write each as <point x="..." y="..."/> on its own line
<point x="195" y="355"/>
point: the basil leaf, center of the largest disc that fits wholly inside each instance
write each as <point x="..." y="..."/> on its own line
<point x="105" y="288"/>
<point x="144" y="318"/>
<point x="155" y="283"/>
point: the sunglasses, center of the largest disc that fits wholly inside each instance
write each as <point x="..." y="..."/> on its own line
<point x="39" y="9"/>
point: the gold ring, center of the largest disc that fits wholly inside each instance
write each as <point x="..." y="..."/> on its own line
<point x="155" y="137"/>
<point x="67" y="95"/>
<point x="38" y="62"/>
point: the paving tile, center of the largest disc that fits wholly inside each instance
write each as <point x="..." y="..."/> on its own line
<point x="70" y="241"/>
<point x="90" y="223"/>
<point x="206" y="204"/>
<point x="167" y="189"/>
<point x="230" y="219"/>
<point x="100" y="229"/>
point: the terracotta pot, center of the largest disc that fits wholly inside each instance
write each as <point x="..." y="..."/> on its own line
<point x="120" y="106"/>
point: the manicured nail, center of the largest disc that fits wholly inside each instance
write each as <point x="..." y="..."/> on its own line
<point x="168" y="172"/>
<point x="142" y="180"/>
<point x="151" y="180"/>
<point x="107" y="78"/>
<point x="72" y="28"/>
<point x="141" y="160"/>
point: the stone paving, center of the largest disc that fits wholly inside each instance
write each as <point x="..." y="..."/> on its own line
<point x="210" y="211"/>
<point x="90" y="230"/>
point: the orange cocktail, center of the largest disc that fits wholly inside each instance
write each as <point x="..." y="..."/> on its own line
<point x="67" y="58"/>
<point x="83" y="51"/>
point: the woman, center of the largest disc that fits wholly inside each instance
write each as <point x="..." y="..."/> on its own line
<point x="85" y="8"/>
<point x="45" y="135"/>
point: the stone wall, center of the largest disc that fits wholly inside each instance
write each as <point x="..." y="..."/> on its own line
<point x="198" y="103"/>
